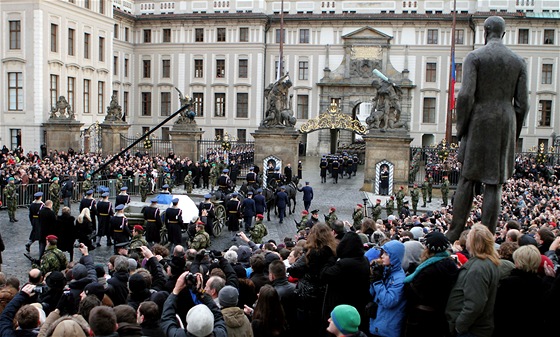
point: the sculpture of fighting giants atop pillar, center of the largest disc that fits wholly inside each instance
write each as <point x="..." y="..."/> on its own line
<point x="114" y="110"/>
<point x="62" y="110"/>
<point x="278" y="104"/>
<point x="187" y="115"/>
<point x="386" y="105"/>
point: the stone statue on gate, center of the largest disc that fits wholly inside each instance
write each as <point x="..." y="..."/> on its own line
<point x="187" y="115"/>
<point x="386" y="107"/>
<point x="278" y="108"/>
<point x="114" y="110"/>
<point x="62" y="109"/>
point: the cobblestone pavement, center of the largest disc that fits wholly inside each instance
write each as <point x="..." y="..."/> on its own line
<point x="344" y="196"/>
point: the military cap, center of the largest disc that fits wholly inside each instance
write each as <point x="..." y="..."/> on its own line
<point x="175" y="200"/>
<point x="55" y="179"/>
<point x="225" y="171"/>
<point x="123" y="245"/>
<point x="154" y="200"/>
<point x="119" y="207"/>
<point x="251" y="168"/>
<point x="106" y="194"/>
<point x="378" y="200"/>
<point x="333" y="209"/>
<point x="51" y="237"/>
<point x="11" y="179"/>
<point x="234" y="194"/>
<point x="249" y="193"/>
<point x="259" y="190"/>
<point x="200" y="222"/>
<point x="38" y="194"/>
<point x="304" y="212"/>
<point x="165" y="186"/>
<point x="138" y="228"/>
<point x="124" y="188"/>
<point x="360" y="206"/>
<point x="89" y="192"/>
<point x="119" y="175"/>
<point x="282" y="187"/>
<point x="260" y="216"/>
<point x="208" y="196"/>
<point x="88" y="175"/>
<point x="315" y="211"/>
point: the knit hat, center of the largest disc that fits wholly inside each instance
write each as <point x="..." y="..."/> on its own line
<point x="200" y="321"/>
<point x="243" y="253"/>
<point x="100" y="270"/>
<point x="418" y="232"/>
<point x="436" y="242"/>
<point x="346" y="319"/>
<point x="96" y="289"/>
<point x="56" y="279"/>
<point x="228" y="297"/>
<point x="79" y="271"/>
<point x="136" y="283"/>
<point x="177" y="265"/>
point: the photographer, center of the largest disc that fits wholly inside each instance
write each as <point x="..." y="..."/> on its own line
<point x="26" y="317"/>
<point x="202" y="319"/>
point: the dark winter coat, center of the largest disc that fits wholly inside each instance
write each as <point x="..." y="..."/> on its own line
<point x="67" y="234"/>
<point x="117" y="288"/>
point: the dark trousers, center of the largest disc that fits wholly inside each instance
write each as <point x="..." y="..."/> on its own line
<point x="306" y="204"/>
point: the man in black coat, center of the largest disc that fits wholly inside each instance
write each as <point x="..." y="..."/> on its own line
<point x="249" y="210"/>
<point x="281" y="203"/>
<point x="233" y="207"/>
<point x="260" y="202"/>
<point x="47" y="220"/>
<point x="117" y="285"/>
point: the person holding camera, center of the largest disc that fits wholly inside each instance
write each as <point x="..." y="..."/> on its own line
<point x="387" y="288"/>
<point x="20" y="312"/>
<point x="202" y="319"/>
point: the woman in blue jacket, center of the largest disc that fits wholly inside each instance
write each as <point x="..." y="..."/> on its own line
<point x="387" y="290"/>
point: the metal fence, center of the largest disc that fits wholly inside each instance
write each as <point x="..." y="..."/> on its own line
<point x="242" y="152"/>
<point x="157" y="146"/>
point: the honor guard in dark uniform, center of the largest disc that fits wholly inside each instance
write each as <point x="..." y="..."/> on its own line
<point x="335" y="168"/>
<point x="288" y="173"/>
<point x="210" y="216"/>
<point x="89" y="202"/>
<point x="252" y="178"/>
<point x="349" y="167"/>
<point x="104" y="213"/>
<point x="34" y="209"/>
<point x="330" y="159"/>
<point x="119" y="227"/>
<point x="323" y="166"/>
<point x="233" y="213"/>
<point x="224" y="182"/>
<point x="123" y="198"/>
<point x="260" y="202"/>
<point x="173" y="223"/>
<point x="355" y="161"/>
<point x="152" y="222"/>
<point x="314" y="218"/>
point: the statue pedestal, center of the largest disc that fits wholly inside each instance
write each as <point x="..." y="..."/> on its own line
<point x="111" y="136"/>
<point x="184" y="138"/>
<point x="62" y="134"/>
<point x="282" y="143"/>
<point x="391" y="149"/>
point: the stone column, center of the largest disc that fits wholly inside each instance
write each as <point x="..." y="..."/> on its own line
<point x="282" y="143"/>
<point x="184" y="138"/>
<point x="111" y="136"/>
<point x="63" y="134"/>
<point x="393" y="147"/>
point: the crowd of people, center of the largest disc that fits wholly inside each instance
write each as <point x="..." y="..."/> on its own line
<point x="392" y="275"/>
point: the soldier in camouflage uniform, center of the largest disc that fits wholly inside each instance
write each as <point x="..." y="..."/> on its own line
<point x="201" y="239"/>
<point x="214" y="174"/>
<point x="188" y="182"/>
<point x="53" y="258"/>
<point x="390" y="205"/>
<point x="400" y="198"/>
<point x="444" y="190"/>
<point x="376" y="210"/>
<point x="87" y="184"/>
<point x="259" y="230"/>
<point x="144" y="187"/>
<point x="304" y="219"/>
<point x="119" y="184"/>
<point x="425" y="191"/>
<point x="415" y="196"/>
<point x="11" y="194"/>
<point x="331" y="217"/>
<point x="430" y="186"/>
<point x="167" y="180"/>
<point x="54" y="192"/>
<point x="137" y="237"/>
<point x="358" y="216"/>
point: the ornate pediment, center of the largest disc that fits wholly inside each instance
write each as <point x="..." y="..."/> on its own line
<point x="367" y="34"/>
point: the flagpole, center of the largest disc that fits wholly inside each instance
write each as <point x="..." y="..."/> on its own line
<point x="281" y="60"/>
<point x="451" y="82"/>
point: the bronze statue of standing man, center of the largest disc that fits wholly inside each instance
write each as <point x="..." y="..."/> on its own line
<point x="491" y="107"/>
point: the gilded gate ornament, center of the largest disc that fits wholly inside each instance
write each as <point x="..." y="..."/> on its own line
<point x="333" y="119"/>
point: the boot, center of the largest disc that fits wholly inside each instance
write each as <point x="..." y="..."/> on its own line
<point x="98" y="242"/>
<point x="16" y="220"/>
<point x="12" y="220"/>
<point x="28" y="246"/>
<point x="109" y="242"/>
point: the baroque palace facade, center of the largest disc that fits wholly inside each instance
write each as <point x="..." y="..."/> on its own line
<point x="225" y="53"/>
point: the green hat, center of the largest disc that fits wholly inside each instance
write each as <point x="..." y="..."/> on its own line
<point x="11" y="179"/>
<point x="119" y="175"/>
<point x="346" y="319"/>
<point x="55" y="179"/>
<point x="88" y="176"/>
